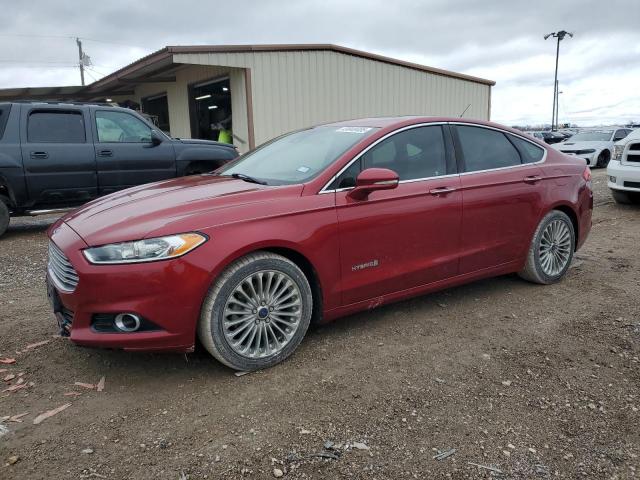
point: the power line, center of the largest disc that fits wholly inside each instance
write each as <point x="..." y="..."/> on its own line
<point x="72" y="37"/>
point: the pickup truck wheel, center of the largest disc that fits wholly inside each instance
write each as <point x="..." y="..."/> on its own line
<point x="4" y="217"/>
<point x="257" y="312"/>
<point x="551" y="249"/>
<point x="625" y="198"/>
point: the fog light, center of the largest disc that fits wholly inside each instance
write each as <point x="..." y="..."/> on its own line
<point x="127" y="322"/>
<point x="612" y="179"/>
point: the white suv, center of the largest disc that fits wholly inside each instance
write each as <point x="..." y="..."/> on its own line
<point x="623" y="171"/>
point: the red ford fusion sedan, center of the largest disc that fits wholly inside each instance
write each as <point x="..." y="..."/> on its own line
<point x="314" y="225"/>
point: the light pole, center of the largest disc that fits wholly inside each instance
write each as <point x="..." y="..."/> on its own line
<point x="560" y="36"/>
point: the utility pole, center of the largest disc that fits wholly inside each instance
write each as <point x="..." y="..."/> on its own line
<point x="80" y="60"/>
<point x="560" y="36"/>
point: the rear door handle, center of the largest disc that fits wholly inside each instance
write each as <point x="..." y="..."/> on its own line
<point x="532" y="179"/>
<point x="442" y="190"/>
<point x="105" y="153"/>
<point x="39" y="155"/>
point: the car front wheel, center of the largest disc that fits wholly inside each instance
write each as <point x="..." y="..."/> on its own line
<point x="551" y="249"/>
<point x="257" y="312"/>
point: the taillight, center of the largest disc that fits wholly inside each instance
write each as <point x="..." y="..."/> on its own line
<point x="586" y="174"/>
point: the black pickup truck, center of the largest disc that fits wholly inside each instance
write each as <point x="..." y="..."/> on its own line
<point x="56" y="156"/>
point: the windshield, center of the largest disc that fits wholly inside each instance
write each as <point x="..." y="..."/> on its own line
<point x="601" y="136"/>
<point x="297" y="157"/>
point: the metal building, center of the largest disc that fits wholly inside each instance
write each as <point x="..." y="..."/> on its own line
<point x="256" y="92"/>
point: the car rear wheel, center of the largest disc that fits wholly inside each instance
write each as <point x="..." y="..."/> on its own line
<point x="551" y="249"/>
<point x="603" y="159"/>
<point x="257" y="312"/>
<point x="4" y="217"/>
<point x="626" y="198"/>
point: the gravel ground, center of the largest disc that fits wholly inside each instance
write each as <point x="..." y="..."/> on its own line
<point x="523" y="381"/>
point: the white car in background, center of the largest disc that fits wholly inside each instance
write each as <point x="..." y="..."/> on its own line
<point x="623" y="171"/>
<point x="595" y="146"/>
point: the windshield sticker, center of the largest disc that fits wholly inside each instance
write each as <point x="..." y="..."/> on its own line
<point x="354" y="129"/>
<point x="303" y="169"/>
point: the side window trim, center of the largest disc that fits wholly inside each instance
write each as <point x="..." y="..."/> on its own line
<point x="443" y="125"/>
<point x="461" y="164"/>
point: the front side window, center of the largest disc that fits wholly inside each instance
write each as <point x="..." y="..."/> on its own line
<point x="486" y="149"/>
<point x="55" y="126"/>
<point x="121" y="127"/>
<point x="412" y="154"/>
<point x="299" y="156"/>
<point x="620" y="134"/>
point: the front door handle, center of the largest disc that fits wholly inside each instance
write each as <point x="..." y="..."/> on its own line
<point x="39" y="155"/>
<point x="105" y="153"/>
<point x="442" y="190"/>
<point x="532" y="179"/>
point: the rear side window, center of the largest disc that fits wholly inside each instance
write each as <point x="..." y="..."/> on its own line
<point x="4" y="117"/>
<point x="55" y="126"/>
<point x="529" y="152"/>
<point x="485" y="149"/>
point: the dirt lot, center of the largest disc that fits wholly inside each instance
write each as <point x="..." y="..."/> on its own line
<point x="534" y="382"/>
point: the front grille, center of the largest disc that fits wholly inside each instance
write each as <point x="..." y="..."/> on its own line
<point x="61" y="270"/>
<point x="633" y="158"/>
<point x="632" y="184"/>
<point x="634" y="146"/>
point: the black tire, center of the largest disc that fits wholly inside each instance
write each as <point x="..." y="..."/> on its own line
<point x="603" y="159"/>
<point x="4" y="216"/>
<point x="533" y="270"/>
<point x="210" y="326"/>
<point x="626" y="198"/>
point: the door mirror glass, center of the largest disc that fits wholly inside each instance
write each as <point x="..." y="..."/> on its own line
<point x="373" y="179"/>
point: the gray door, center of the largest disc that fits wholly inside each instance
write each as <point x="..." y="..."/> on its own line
<point x="58" y="156"/>
<point x="125" y="155"/>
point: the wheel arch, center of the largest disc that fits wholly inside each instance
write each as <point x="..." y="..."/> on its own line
<point x="573" y="216"/>
<point x="301" y="260"/>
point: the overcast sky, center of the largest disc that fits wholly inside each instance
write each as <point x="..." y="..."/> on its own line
<point x="497" y="39"/>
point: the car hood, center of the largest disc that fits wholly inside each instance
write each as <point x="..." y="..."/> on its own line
<point x="144" y="211"/>
<point x="569" y="145"/>
<point x="197" y="141"/>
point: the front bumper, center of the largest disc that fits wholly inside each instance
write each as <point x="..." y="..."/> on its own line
<point x="589" y="158"/>
<point x="167" y="293"/>
<point x="624" y="175"/>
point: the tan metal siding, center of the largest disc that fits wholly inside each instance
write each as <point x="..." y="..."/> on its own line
<point x="294" y="90"/>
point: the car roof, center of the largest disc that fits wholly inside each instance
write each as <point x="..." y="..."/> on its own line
<point x="390" y="122"/>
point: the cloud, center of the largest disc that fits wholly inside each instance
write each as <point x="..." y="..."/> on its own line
<point x="501" y="40"/>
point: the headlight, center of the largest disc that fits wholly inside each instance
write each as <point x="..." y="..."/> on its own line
<point x="583" y="152"/>
<point x="617" y="152"/>
<point x="148" y="250"/>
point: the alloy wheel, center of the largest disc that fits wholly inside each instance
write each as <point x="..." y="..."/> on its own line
<point x="262" y="314"/>
<point x="555" y="248"/>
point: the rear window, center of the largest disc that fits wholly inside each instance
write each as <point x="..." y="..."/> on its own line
<point x="4" y="117"/>
<point x="55" y="126"/>
<point x="529" y="152"/>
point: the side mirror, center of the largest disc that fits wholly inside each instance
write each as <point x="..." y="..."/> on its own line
<point x="373" y="179"/>
<point x="156" y="139"/>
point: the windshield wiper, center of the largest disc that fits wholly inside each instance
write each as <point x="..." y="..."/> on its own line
<point x="247" y="178"/>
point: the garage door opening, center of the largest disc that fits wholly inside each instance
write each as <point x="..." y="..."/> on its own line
<point x="211" y="110"/>
<point x="157" y="109"/>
